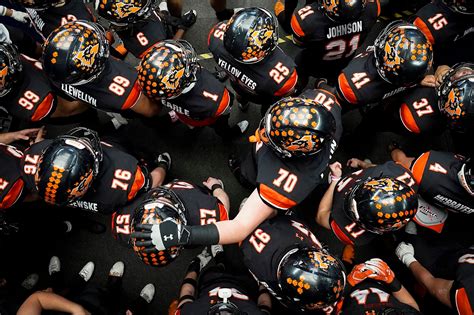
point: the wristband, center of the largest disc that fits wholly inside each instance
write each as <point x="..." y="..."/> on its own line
<point x="190" y="282"/>
<point x="186" y="297"/>
<point x="201" y="235"/>
<point x="395" y="285"/>
<point x="215" y="186"/>
<point x="334" y="178"/>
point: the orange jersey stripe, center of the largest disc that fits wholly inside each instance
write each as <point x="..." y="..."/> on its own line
<point x="418" y="167"/>
<point x="296" y="27"/>
<point x="224" y="104"/>
<point x="13" y="195"/>
<point x="289" y="85"/>
<point x="274" y="198"/>
<point x="223" y="214"/>
<point x="44" y="108"/>
<point x="340" y="234"/>
<point x="378" y="7"/>
<point x="122" y="50"/>
<point x="424" y="28"/>
<point x="137" y="183"/>
<point x="408" y="120"/>
<point x="462" y="302"/>
<point x="346" y="89"/>
<point x="133" y="97"/>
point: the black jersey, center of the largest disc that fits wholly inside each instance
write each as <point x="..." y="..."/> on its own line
<point x="264" y="249"/>
<point x="46" y="21"/>
<point x="115" y="90"/>
<point x="436" y="173"/>
<point x="359" y="83"/>
<point x="142" y="35"/>
<point x="346" y="230"/>
<point x="462" y="291"/>
<point x="202" y="102"/>
<point x="419" y="112"/>
<point x="202" y="208"/>
<point x="273" y="77"/>
<point x="284" y="183"/>
<point x="32" y="99"/>
<point x="371" y="297"/>
<point x="11" y="182"/>
<point x="330" y="40"/>
<point x="119" y="180"/>
<point x="208" y="294"/>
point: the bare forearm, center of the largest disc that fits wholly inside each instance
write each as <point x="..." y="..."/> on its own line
<point x="40" y="301"/>
<point x="437" y="287"/>
<point x="179" y="34"/>
<point x="187" y="289"/>
<point x="223" y="197"/>
<point x="405" y="297"/>
<point x="6" y="138"/>
<point x="325" y="206"/>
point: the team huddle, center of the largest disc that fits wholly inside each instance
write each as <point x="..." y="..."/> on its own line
<point x="415" y="78"/>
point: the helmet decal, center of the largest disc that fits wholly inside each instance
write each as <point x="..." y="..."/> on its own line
<point x="453" y="105"/>
<point x="386" y="184"/>
<point x="299" y="284"/>
<point x="53" y="184"/>
<point x="81" y="187"/>
<point x="125" y="8"/>
<point x="331" y="5"/>
<point x="3" y="75"/>
<point x="87" y="56"/>
<point x="304" y="144"/>
<point x="171" y="80"/>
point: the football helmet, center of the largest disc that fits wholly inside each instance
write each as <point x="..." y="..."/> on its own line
<point x="122" y="13"/>
<point x="251" y="35"/>
<point x="461" y="6"/>
<point x="67" y="167"/>
<point x="295" y="127"/>
<point x="163" y="205"/>
<point x="168" y="69"/>
<point x="75" y="53"/>
<point x="223" y="306"/>
<point x="466" y="176"/>
<point x="456" y="97"/>
<point x="381" y="205"/>
<point x="403" y="54"/>
<point x="342" y="10"/>
<point x="311" y="278"/>
<point x="37" y="4"/>
<point x="11" y="68"/>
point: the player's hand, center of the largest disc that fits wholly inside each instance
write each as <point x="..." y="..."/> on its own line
<point x="440" y="73"/>
<point x="406" y="253"/>
<point x="24" y="134"/>
<point x="375" y="269"/>
<point x="160" y="236"/>
<point x="188" y="19"/>
<point x="21" y="17"/>
<point x="355" y="163"/>
<point x="429" y="81"/>
<point x="336" y="169"/>
<point x="211" y="181"/>
<point x="40" y="135"/>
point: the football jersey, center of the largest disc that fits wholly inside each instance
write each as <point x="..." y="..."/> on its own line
<point x="143" y="35"/>
<point x="270" y="78"/>
<point x="119" y="180"/>
<point x="11" y="182"/>
<point x="346" y="230"/>
<point x="46" y="21"/>
<point x="115" y="90"/>
<point x="419" y="112"/>
<point x="332" y="40"/>
<point x="371" y="297"/>
<point x="202" y="102"/>
<point x="32" y="99"/>
<point x="462" y="291"/>
<point x="208" y="296"/>
<point x="359" y="83"/>
<point x="264" y="249"/>
<point x="436" y="173"/>
<point x="201" y="208"/>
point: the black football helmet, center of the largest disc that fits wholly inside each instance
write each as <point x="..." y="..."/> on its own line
<point x="223" y="306"/>
<point x="381" y="205"/>
<point x="311" y="278"/>
<point x="456" y="97"/>
<point x="163" y="205"/>
<point x="251" y="35"/>
<point x="296" y="127"/>
<point x="168" y="69"/>
<point x="403" y="54"/>
<point x="11" y="68"/>
<point x="342" y="10"/>
<point x="461" y="6"/>
<point x="466" y="176"/>
<point x="123" y="12"/>
<point x="75" y="53"/>
<point x="37" y="4"/>
<point x="68" y="166"/>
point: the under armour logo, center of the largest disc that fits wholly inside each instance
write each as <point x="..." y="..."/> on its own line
<point x="168" y="237"/>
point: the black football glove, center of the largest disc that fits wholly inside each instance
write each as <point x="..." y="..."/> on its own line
<point x="160" y="236"/>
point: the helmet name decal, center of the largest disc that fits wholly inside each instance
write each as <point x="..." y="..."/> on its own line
<point x="87" y="56"/>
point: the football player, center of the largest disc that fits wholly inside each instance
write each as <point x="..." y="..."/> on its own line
<point x="76" y="60"/>
<point x="80" y="171"/>
<point x="370" y="202"/>
<point x="178" y="201"/>
<point x="47" y="15"/>
<point x="374" y="289"/>
<point x="246" y="48"/>
<point x="294" y="144"/>
<point x="330" y="32"/>
<point x="285" y="257"/>
<point x="400" y="58"/>
<point x="169" y="73"/>
<point x="455" y="291"/>
<point x="140" y="26"/>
